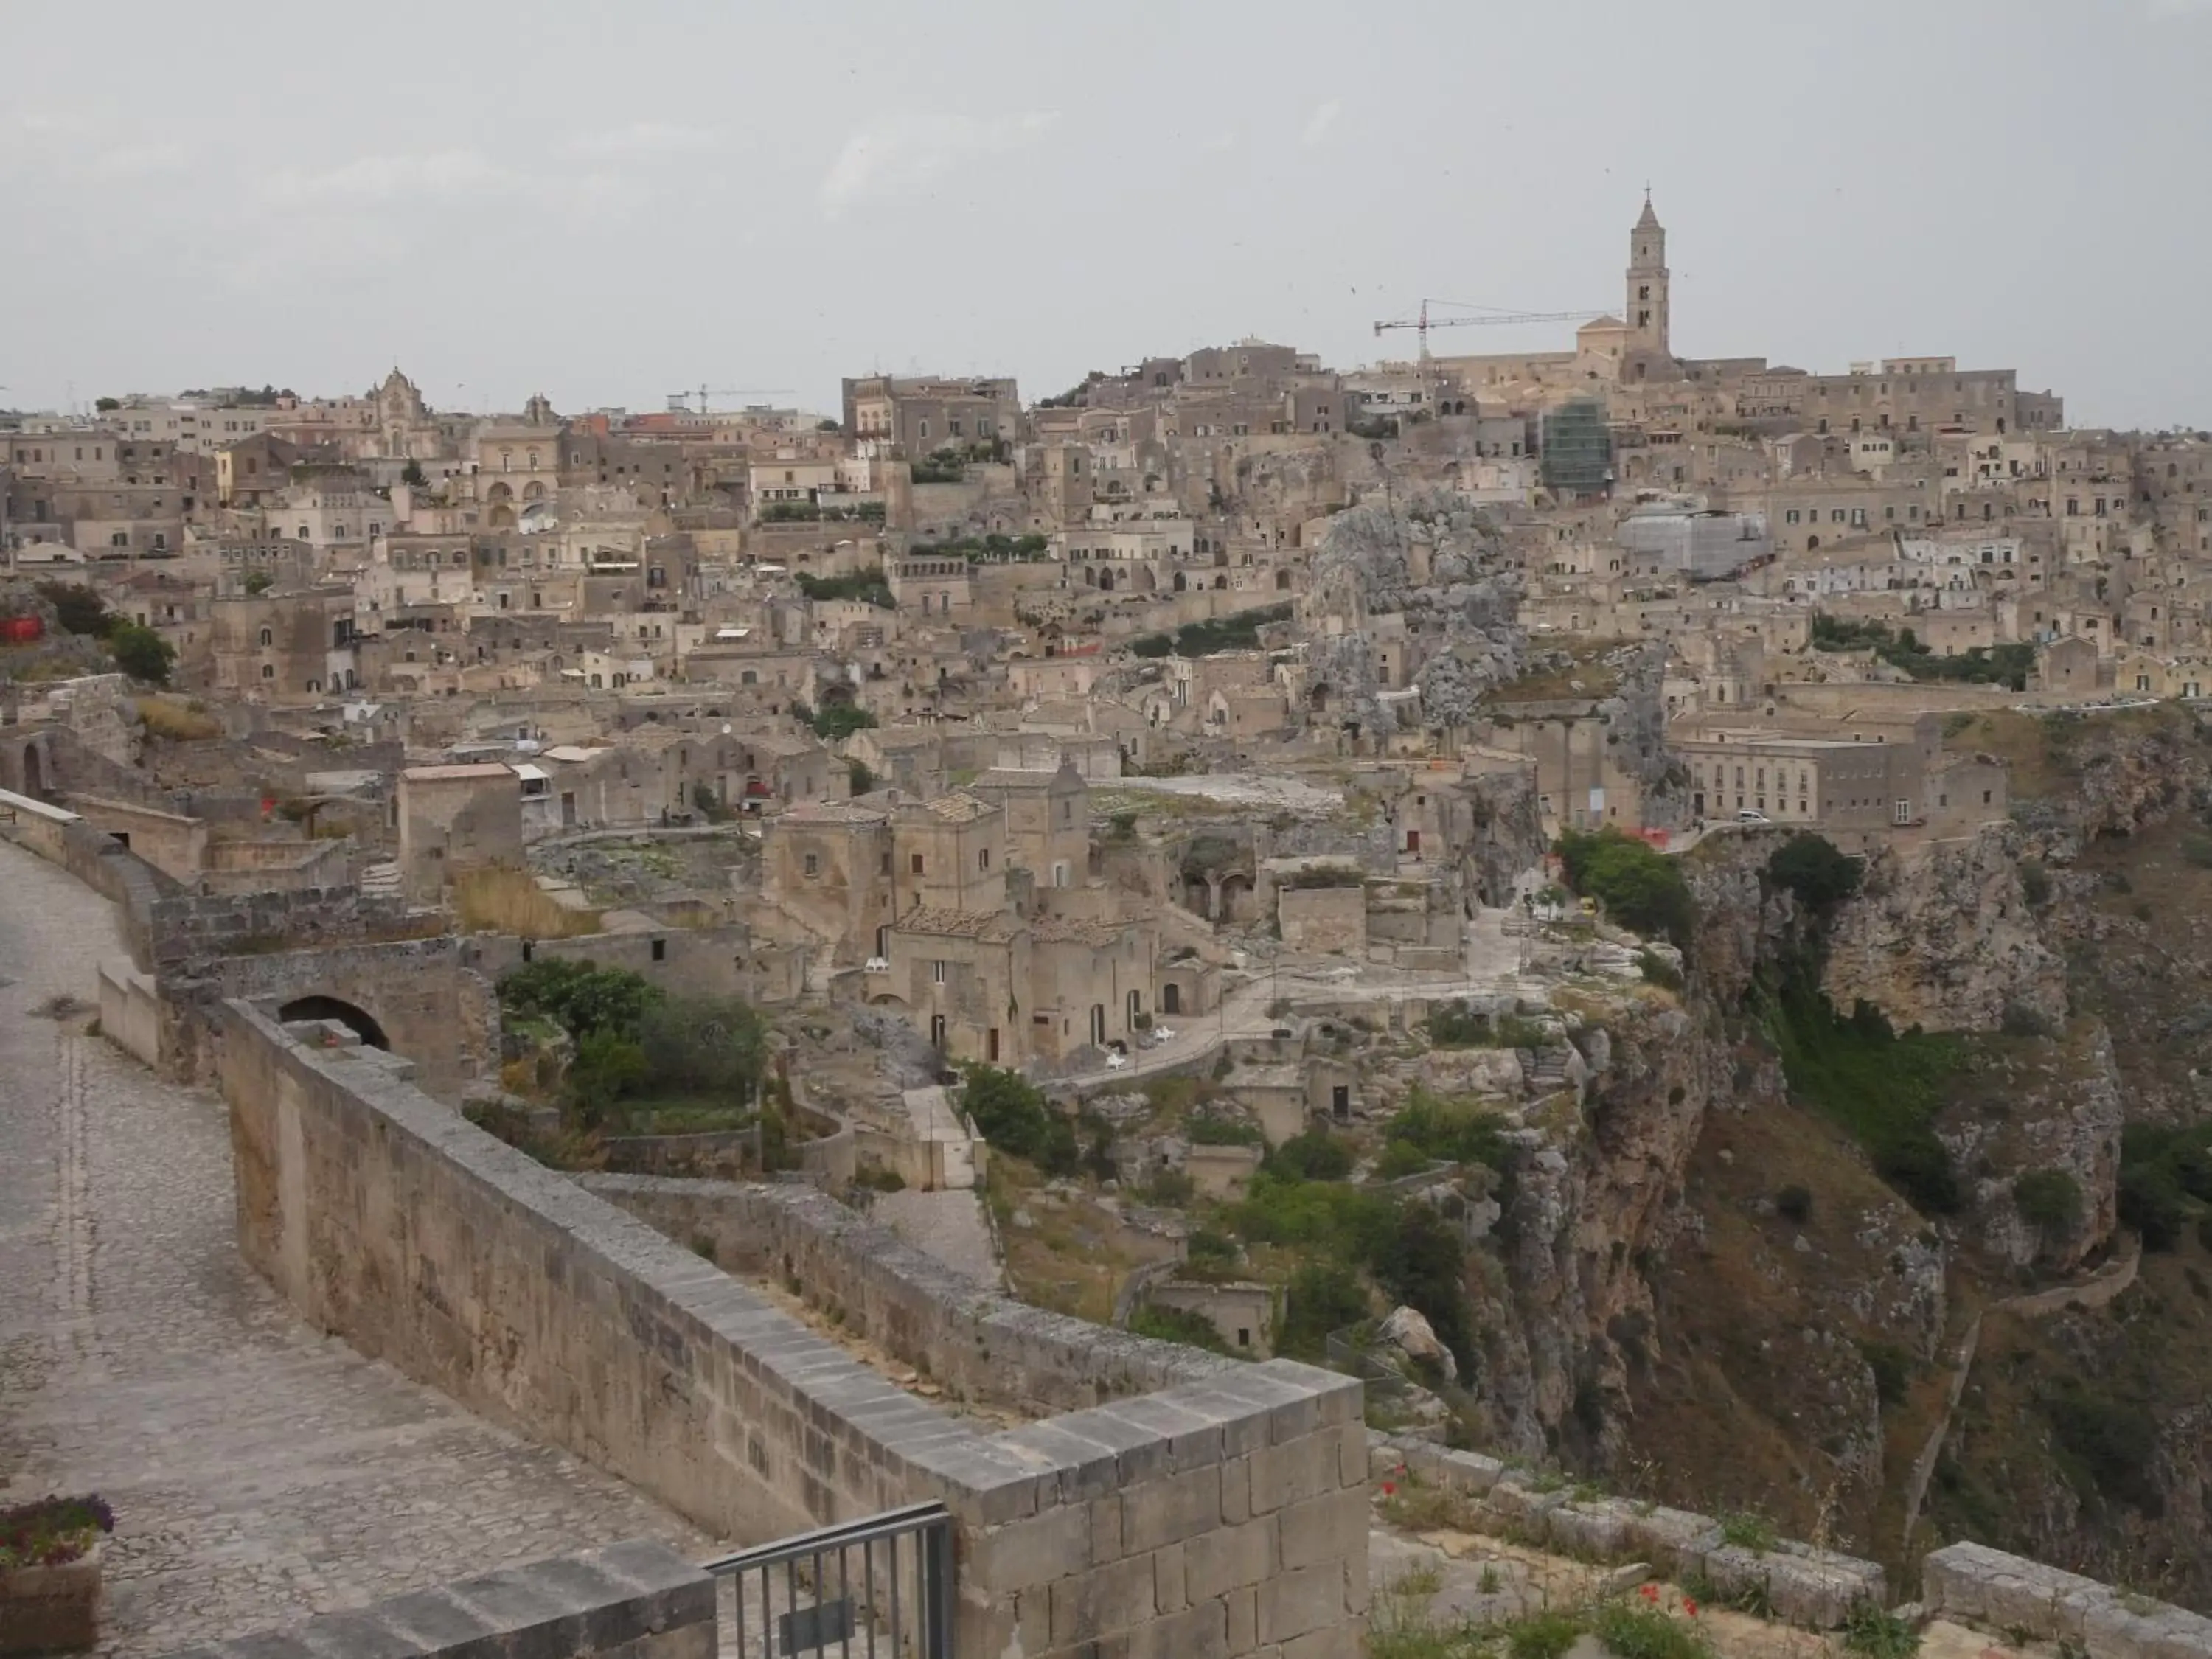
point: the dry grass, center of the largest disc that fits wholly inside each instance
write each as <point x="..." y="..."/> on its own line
<point x="179" y="722"/>
<point x="499" y="900"/>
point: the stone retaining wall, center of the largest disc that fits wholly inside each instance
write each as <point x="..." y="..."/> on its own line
<point x="1801" y="1585"/>
<point x="1221" y="1516"/>
<point x="977" y="1343"/>
<point x="1973" y="1583"/>
<point x="633" y="1600"/>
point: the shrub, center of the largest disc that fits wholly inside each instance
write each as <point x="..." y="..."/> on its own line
<point x="1885" y="1090"/>
<point x="2034" y="882"/>
<point x="580" y="996"/>
<point x="1542" y="1635"/>
<point x="1455" y="1026"/>
<point x="608" y="1065"/>
<point x="1814" y="869"/>
<point x="1869" y="1631"/>
<point x="1316" y="1155"/>
<point x="76" y="607"/>
<point x="1748" y="1531"/>
<point x="1423" y="1262"/>
<point x="711" y="1046"/>
<point x="1012" y="1115"/>
<point x="1640" y="887"/>
<point x="141" y="653"/>
<point x="2049" y="1200"/>
<point x="840" y="719"/>
<point x="2019" y="1020"/>
<point x="1208" y="1249"/>
<point x="1631" y="1631"/>
<point x="52" y="1531"/>
<point x="1461" y="1131"/>
<point x="867" y="586"/>
<point x="1794" y="1203"/>
<point x="1177" y="1325"/>
<point x="1658" y="970"/>
<point x="858" y="778"/>
<point x="1322" y="1296"/>
<point x="2114" y="1442"/>
<point x="1332" y="1217"/>
<point x="1208" y="1129"/>
<point x="1892" y="1370"/>
<point x="2198" y="850"/>
<point x="2161" y="1169"/>
<point x="1172" y="1189"/>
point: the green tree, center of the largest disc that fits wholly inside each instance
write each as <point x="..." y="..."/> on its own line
<point x="258" y="582"/>
<point x="579" y="996"/>
<point x="1640" y="886"/>
<point x="607" y="1066"/>
<point x="840" y="719"/>
<point x="858" y="778"/>
<point x="107" y="405"/>
<point x="412" y="474"/>
<point x="712" y="1046"/>
<point x="141" y="653"/>
<point x="1814" y="869"/>
<point x="76" y="607"/>
<point x="1012" y="1113"/>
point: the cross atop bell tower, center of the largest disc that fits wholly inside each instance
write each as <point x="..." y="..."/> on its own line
<point x="1646" y="312"/>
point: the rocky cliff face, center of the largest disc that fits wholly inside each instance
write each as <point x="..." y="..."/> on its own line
<point x="1943" y="937"/>
<point x="1438" y="567"/>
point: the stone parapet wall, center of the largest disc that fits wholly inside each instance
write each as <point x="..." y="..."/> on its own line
<point x="977" y="1343"/>
<point x="1976" y="1584"/>
<point x="633" y="1600"/>
<point x="1224" y="1516"/>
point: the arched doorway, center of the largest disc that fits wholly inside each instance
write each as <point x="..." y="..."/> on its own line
<point x="1098" y="1025"/>
<point x="1170" y="998"/>
<point x="359" y="1021"/>
<point x="1136" y="1007"/>
<point x="34" y="773"/>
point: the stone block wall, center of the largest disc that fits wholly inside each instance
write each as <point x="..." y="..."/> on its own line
<point x="1803" y="1585"/>
<point x="389" y="1220"/>
<point x="633" y="1600"/>
<point x="1972" y="1582"/>
<point x="975" y="1342"/>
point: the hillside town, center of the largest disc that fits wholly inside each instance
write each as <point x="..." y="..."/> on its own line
<point x="1274" y="984"/>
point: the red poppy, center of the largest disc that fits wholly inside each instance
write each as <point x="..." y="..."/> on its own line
<point x="1649" y="1592"/>
<point x="1689" y="1606"/>
<point x="1389" y="1486"/>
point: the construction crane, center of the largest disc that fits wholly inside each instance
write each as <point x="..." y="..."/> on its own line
<point x="1493" y="316"/>
<point x="680" y="402"/>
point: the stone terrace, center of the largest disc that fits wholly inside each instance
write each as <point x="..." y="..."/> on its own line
<point x="260" y="1473"/>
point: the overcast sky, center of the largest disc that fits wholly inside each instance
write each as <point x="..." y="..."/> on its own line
<point x="606" y="203"/>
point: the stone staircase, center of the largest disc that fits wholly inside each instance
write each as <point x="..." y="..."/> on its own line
<point x="1546" y="1069"/>
<point x="381" y="880"/>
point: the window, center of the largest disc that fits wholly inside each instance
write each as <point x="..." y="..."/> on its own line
<point x="914" y="865"/>
<point x="813" y="864"/>
<point x="937" y="971"/>
<point x="267" y="637"/>
<point x="983" y="858"/>
<point x="267" y="672"/>
<point x="1903" y="813"/>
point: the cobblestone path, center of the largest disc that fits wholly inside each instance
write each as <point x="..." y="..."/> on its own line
<point x="260" y="1473"/>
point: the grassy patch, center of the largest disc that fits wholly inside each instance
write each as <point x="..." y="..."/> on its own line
<point x="501" y="900"/>
<point x="1883" y="1089"/>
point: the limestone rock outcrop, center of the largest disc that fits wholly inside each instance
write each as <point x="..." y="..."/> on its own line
<point x="1943" y="937"/>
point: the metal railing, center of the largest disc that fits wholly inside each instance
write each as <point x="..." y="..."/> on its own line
<point x="848" y="1590"/>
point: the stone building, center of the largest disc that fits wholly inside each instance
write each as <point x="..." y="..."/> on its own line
<point x="456" y="818"/>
